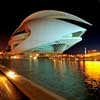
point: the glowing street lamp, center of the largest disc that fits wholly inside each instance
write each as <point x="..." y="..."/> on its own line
<point x="1" y="53"/>
<point x="35" y="57"/>
<point x="11" y="74"/>
<point x="31" y="56"/>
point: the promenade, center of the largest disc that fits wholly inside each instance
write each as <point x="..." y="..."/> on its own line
<point x="28" y="88"/>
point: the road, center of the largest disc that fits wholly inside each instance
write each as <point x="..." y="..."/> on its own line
<point x="8" y="91"/>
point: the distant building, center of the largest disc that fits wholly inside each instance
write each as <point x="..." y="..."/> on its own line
<point x="45" y="31"/>
<point x="92" y="51"/>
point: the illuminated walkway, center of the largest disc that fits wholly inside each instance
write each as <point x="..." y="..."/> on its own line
<point x="8" y="91"/>
<point x="31" y="90"/>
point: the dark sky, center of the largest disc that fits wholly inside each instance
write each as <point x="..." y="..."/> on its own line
<point x="12" y="13"/>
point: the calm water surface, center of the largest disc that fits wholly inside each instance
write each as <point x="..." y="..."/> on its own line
<point x="74" y="80"/>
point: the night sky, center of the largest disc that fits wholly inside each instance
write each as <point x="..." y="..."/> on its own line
<point x="14" y="12"/>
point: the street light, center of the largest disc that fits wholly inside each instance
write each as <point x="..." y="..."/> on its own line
<point x="85" y="50"/>
<point x="11" y="74"/>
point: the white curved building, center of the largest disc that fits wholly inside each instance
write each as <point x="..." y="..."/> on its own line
<point x="44" y="31"/>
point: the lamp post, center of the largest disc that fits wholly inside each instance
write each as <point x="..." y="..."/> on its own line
<point x="85" y="51"/>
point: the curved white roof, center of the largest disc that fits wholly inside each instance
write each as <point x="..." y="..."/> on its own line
<point x="52" y="14"/>
<point x="48" y="31"/>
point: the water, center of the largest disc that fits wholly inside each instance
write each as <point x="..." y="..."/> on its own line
<point x="74" y="80"/>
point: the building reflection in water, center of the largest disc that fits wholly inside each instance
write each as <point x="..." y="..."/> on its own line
<point x="59" y="67"/>
<point x="89" y="70"/>
<point x="32" y="62"/>
<point x="71" y="79"/>
<point x="62" y="65"/>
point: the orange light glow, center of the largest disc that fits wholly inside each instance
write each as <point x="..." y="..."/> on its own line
<point x="35" y="57"/>
<point x="11" y="74"/>
<point x="15" y="57"/>
<point x="31" y="56"/>
<point x="1" y="53"/>
<point x="92" y="69"/>
<point x="92" y="54"/>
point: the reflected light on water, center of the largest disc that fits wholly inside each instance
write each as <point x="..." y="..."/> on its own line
<point x="71" y="79"/>
<point x="59" y="66"/>
<point x="15" y="57"/>
<point x="92" y="69"/>
<point x="35" y="58"/>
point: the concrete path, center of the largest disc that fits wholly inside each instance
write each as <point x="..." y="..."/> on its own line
<point x="30" y="89"/>
<point x="8" y="91"/>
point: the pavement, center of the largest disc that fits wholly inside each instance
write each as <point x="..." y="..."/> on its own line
<point x="28" y="88"/>
<point x="8" y="91"/>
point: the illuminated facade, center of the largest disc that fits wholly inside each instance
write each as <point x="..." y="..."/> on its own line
<point x="46" y="31"/>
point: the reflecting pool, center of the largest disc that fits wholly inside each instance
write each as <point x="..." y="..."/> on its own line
<point x="74" y="80"/>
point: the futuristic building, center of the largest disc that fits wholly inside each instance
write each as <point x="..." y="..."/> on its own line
<point x="46" y="31"/>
